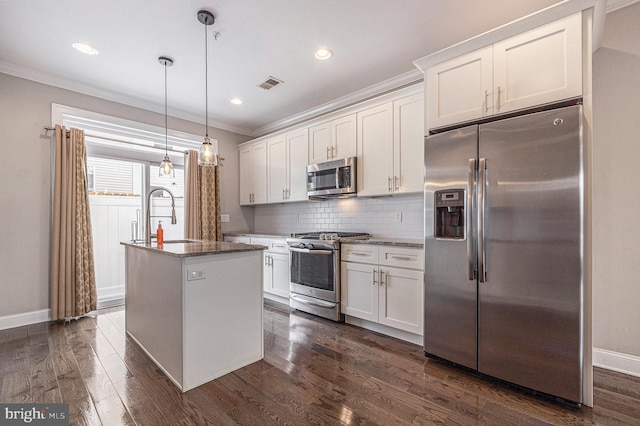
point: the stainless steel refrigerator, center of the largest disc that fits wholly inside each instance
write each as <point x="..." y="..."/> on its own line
<point x="503" y="249"/>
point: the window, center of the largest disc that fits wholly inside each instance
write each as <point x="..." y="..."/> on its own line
<point x="122" y="165"/>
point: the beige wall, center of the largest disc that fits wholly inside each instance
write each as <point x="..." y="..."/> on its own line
<point x="25" y="107"/>
<point x="616" y="182"/>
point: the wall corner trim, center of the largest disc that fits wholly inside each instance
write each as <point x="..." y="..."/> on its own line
<point x="616" y="361"/>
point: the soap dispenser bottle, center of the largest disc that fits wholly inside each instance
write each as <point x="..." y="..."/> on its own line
<point x="160" y="233"/>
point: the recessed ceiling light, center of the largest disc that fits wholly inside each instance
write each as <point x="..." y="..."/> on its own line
<point x="323" y="54"/>
<point x="85" y="48"/>
<point x="236" y="101"/>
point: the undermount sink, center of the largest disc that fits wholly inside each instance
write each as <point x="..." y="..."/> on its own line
<point x="181" y="241"/>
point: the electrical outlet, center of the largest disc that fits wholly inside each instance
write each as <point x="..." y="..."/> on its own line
<point x="398" y="216"/>
<point x="224" y="218"/>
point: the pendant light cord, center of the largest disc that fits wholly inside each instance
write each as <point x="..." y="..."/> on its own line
<point x="206" y="87"/>
<point x="166" y="120"/>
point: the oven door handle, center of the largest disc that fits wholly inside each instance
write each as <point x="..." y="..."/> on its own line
<point x="299" y="250"/>
<point x="319" y="303"/>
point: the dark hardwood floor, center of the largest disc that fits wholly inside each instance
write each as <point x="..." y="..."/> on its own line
<point x="314" y="372"/>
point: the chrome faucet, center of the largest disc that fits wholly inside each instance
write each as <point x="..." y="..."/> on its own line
<point x="147" y="229"/>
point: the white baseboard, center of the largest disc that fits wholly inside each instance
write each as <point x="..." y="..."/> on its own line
<point x="383" y="329"/>
<point x="616" y="361"/>
<point x="27" y="318"/>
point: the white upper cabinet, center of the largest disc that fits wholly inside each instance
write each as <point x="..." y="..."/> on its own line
<point x="375" y="150"/>
<point x="297" y="156"/>
<point x="333" y="140"/>
<point x="286" y="167"/>
<point x="536" y="67"/>
<point x="408" y="144"/>
<point x="459" y="89"/>
<point x="390" y="147"/>
<point x="540" y="66"/>
<point x="253" y="174"/>
<point x="276" y="169"/>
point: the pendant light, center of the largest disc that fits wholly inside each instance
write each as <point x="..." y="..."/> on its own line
<point x="207" y="156"/>
<point x="166" y="168"/>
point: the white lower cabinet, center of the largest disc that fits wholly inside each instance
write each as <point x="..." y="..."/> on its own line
<point x="383" y="284"/>
<point x="275" y="260"/>
<point x="276" y="274"/>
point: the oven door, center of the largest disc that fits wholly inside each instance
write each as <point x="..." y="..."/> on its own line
<point x="315" y="273"/>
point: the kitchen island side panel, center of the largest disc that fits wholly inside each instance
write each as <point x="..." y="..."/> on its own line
<point x="222" y="315"/>
<point x="154" y="307"/>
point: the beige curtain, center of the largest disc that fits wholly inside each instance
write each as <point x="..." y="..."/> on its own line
<point x="202" y="200"/>
<point x="72" y="273"/>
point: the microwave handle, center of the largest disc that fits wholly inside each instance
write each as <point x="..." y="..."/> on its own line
<point x="298" y="250"/>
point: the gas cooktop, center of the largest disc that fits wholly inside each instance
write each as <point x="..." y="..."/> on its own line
<point x="330" y="236"/>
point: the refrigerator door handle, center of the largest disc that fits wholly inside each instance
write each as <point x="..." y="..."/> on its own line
<point x="482" y="185"/>
<point x="470" y="235"/>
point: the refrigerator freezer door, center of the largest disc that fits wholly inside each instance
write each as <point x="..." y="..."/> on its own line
<point x="450" y="291"/>
<point x="529" y="318"/>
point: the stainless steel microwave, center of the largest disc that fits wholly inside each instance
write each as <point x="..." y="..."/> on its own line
<point x="332" y="179"/>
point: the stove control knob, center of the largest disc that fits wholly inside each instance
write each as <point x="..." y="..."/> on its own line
<point x="323" y="237"/>
<point x="334" y="237"/>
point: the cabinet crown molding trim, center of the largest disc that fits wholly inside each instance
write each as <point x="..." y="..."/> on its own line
<point x="392" y="84"/>
<point x="529" y="22"/>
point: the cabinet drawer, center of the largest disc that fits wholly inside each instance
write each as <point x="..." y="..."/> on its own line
<point x="238" y="239"/>
<point x="278" y="246"/>
<point x="362" y="253"/>
<point x="401" y="257"/>
<point x="260" y="241"/>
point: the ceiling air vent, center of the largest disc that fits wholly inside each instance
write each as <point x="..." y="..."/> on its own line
<point x="270" y="83"/>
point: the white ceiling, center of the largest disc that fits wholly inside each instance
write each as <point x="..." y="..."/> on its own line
<point x="372" y="40"/>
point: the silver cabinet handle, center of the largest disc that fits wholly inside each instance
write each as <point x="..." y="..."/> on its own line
<point x="486" y="102"/>
<point x="400" y="257"/>
<point x="332" y="154"/>
<point x="381" y="277"/>
<point x="471" y="249"/>
<point x="328" y="153"/>
<point x="374" y="276"/>
<point x="498" y="102"/>
<point x="358" y="253"/>
<point x="397" y="183"/>
<point x="389" y="184"/>
<point x="288" y="193"/>
<point x="482" y="184"/>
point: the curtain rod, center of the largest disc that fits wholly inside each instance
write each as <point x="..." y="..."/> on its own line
<point x="48" y="128"/>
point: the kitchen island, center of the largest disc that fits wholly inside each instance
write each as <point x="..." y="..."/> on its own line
<point x="195" y="307"/>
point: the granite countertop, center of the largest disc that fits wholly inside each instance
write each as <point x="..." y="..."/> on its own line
<point x="400" y="242"/>
<point x="256" y="234"/>
<point x="195" y="248"/>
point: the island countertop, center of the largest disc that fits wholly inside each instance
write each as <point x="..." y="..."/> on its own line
<point x="188" y="248"/>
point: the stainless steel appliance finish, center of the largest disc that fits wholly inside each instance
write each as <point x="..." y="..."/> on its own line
<point x="332" y="179"/>
<point x="315" y="272"/>
<point x="503" y="260"/>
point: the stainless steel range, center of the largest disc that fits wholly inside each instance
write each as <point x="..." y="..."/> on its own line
<point x="315" y="272"/>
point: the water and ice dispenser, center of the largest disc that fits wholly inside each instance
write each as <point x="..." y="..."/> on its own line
<point x="449" y="212"/>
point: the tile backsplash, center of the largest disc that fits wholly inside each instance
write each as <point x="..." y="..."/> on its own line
<point x="393" y="217"/>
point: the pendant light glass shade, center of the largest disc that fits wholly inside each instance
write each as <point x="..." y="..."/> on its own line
<point x="166" y="168"/>
<point x="207" y="156"/>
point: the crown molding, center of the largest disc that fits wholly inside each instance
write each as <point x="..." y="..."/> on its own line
<point x="86" y="89"/>
<point x="395" y="83"/>
<point x="613" y="5"/>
